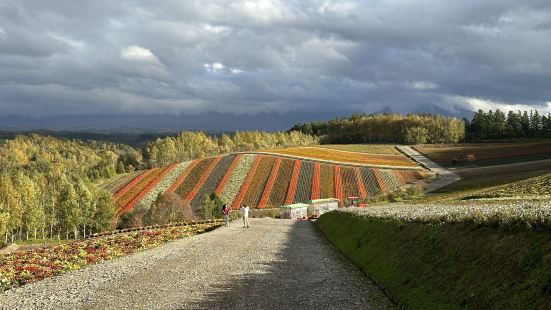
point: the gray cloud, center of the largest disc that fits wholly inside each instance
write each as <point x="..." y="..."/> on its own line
<point x="247" y="57"/>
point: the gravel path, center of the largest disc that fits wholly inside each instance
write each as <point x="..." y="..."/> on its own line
<point x="446" y="177"/>
<point x="276" y="264"/>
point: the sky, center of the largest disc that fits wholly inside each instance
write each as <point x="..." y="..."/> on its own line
<point x="241" y="59"/>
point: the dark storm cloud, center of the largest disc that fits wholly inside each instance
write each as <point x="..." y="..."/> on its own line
<point x="247" y="57"/>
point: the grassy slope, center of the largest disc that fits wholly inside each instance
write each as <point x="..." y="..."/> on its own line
<point x="488" y="154"/>
<point x="448" y="266"/>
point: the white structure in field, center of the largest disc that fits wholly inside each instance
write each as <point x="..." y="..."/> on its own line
<point x="297" y="211"/>
<point x="314" y="208"/>
<point x="318" y="207"/>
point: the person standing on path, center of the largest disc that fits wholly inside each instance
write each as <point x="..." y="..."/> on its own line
<point x="226" y="211"/>
<point x="245" y="214"/>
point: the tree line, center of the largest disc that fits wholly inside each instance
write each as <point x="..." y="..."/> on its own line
<point x="48" y="186"/>
<point x="190" y="145"/>
<point x="498" y="125"/>
<point x="386" y="128"/>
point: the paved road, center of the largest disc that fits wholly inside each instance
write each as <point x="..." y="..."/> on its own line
<point x="446" y="177"/>
<point x="276" y="264"/>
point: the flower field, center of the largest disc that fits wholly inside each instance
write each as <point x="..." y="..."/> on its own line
<point x="522" y="213"/>
<point x="258" y="181"/>
<point x="164" y="184"/>
<point x="316" y="182"/>
<point x="213" y="179"/>
<point x="304" y="185"/>
<point x="327" y="184"/>
<point x="204" y="175"/>
<point x="127" y="200"/>
<point x="193" y="177"/>
<point x="263" y="181"/>
<point x="364" y="148"/>
<point x="348" y="177"/>
<point x="281" y="183"/>
<point x="246" y="183"/>
<point x="269" y="184"/>
<point x="292" y="188"/>
<point x="22" y="267"/>
<point x="238" y="175"/>
<point x="338" y="156"/>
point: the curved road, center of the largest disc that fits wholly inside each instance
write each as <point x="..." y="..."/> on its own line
<point x="276" y="264"/>
<point x="446" y="177"/>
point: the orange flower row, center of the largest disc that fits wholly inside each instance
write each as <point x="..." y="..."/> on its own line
<point x="182" y="176"/>
<point x="338" y="182"/>
<point x="281" y="184"/>
<point x="237" y="201"/>
<point x="291" y="191"/>
<point x="149" y="186"/>
<point x="259" y="181"/>
<point x="346" y="157"/>
<point x="130" y="185"/>
<point x="316" y="182"/>
<point x="193" y="177"/>
<point x="269" y="184"/>
<point x="220" y="186"/>
<point x="189" y="197"/>
<point x="123" y="202"/>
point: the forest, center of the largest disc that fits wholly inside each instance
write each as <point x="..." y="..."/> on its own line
<point x="190" y="145"/>
<point x="513" y="125"/>
<point x="386" y="128"/>
<point x="47" y="186"/>
<point x="427" y="128"/>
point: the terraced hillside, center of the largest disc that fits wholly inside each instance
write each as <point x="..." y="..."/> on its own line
<point x="265" y="180"/>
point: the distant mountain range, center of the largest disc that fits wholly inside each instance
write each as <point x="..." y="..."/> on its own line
<point x="212" y="122"/>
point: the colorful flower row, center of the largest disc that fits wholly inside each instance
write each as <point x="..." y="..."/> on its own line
<point x="149" y="187"/>
<point x="291" y="190"/>
<point x="316" y="182"/>
<point x="269" y="184"/>
<point x="236" y="204"/>
<point x="163" y="185"/>
<point x="22" y="267"/>
<point x="183" y="176"/>
<point x="327" y="181"/>
<point x="193" y="177"/>
<point x="518" y="214"/>
<point x="267" y="181"/>
<point x="350" y="188"/>
<point x="338" y="183"/>
<point x="130" y="185"/>
<point x="213" y="179"/>
<point x="204" y="175"/>
<point x="281" y="184"/>
<point x="237" y="177"/>
<point x="259" y="181"/>
<point x="227" y="175"/>
<point x="129" y="196"/>
<point x="304" y="184"/>
<point x="346" y="157"/>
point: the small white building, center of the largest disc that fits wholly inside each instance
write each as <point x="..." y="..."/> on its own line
<point x="297" y="211"/>
<point x="318" y="207"/>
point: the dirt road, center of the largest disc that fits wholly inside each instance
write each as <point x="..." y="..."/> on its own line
<point x="276" y="264"/>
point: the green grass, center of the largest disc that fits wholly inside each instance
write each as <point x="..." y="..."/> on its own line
<point x="447" y="266"/>
<point x="364" y="148"/>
